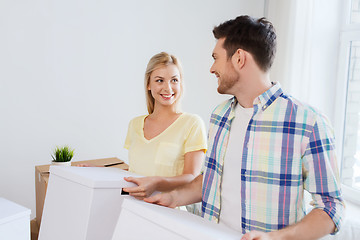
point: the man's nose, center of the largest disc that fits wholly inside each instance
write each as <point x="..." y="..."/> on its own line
<point x="212" y="69"/>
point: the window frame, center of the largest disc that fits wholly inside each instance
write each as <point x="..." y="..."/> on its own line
<point x="349" y="32"/>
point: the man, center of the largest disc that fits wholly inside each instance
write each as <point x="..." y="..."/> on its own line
<point x="265" y="148"/>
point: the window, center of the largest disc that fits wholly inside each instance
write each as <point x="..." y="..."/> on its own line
<point x="348" y="93"/>
<point x="351" y="142"/>
<point x="355" y="11"/>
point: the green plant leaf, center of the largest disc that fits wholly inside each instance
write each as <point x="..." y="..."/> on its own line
<point x="62" y="154"/>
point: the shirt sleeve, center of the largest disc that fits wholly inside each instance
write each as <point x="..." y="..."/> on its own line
<point x="128" y="138"/>
<point x="196" y="138"/>
<point x="321" y="171"/>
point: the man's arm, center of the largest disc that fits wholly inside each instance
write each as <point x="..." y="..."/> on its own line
<point x="147" y="185"/>
<point x="184" y="195"/>
<point x="322" y="182"/>
<point x="313" y="226"/>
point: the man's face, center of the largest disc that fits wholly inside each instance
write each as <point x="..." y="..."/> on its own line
<point x="223" y="69"/>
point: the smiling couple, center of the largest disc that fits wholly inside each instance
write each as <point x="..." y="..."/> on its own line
<point x="265" y="148"/>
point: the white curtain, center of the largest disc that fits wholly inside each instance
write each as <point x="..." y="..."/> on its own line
<point x="308" y="46"/>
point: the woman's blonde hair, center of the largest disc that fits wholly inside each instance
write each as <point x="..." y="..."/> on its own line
<point x="158" y="61"/>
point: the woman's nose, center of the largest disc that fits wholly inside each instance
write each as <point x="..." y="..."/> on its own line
<point x="167" y="87"/>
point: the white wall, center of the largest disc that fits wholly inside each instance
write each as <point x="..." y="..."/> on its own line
<point x="71" y="72"/>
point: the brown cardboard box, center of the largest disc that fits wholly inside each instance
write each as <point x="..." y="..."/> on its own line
<point x="34" y="229"/>
<point x="42" y="178"/>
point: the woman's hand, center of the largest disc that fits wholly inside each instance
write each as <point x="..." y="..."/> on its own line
<point x="146" y="186"/>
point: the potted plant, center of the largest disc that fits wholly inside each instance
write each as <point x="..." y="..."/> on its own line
<point x="62" y="156"/>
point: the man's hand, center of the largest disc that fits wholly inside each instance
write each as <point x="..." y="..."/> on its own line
<point x="184" y="195"/>
<point x="314" y="225"/>
<point x="146" y="186"/>
<point x="163" y="199"/>
<point x="257" y="235"/>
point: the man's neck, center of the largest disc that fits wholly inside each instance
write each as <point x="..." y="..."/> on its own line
<point x="247" y="94"/>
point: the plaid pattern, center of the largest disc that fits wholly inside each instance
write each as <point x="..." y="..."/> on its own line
<point x="288" y="147"/>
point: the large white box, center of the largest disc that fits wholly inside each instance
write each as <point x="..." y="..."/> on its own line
<point x="140" y="220"/>
<point x="82" y="203"/>
<point x="42" y="178"/>
<point x="14" y="221"/>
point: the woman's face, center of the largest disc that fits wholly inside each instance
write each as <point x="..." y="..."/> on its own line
<point x="165" y="85"/>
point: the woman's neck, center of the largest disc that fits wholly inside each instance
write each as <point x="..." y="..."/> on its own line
<point x="164" y="112"/>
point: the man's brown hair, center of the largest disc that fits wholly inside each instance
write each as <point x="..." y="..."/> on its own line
<point x="256" y="36"/>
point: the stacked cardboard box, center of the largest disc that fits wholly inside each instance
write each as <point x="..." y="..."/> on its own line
<point x="42" y="178"/>
<point x="34" y="228"/>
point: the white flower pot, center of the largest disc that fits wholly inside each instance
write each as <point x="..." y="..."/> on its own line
<point x="61" y="163"/>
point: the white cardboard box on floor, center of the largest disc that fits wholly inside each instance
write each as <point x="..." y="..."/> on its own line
<point x="140" y="220"/>
<point x="14" y="220"/>
<point x="82" y="203"/>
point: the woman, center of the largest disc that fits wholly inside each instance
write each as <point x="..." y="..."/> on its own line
<point x="166" y="145"/>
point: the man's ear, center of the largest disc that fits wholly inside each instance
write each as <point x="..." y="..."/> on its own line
<point x="239" y="58"/>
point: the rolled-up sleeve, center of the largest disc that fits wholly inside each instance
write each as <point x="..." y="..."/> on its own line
<point x="321" y="173"/>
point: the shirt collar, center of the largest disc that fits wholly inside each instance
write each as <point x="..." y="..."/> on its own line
<point x="261" y="102"/>
<point x="264" y="100"/>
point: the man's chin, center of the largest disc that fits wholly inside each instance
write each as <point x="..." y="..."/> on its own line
<point x="221" y="90"/>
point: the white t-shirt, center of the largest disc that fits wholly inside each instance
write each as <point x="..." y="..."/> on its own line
<point x="230" y="211"/>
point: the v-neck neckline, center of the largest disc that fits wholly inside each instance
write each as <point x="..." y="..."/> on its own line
<point x="157" y="136"/>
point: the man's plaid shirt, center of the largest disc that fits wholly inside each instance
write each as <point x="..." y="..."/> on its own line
<point x="288" y="147"/>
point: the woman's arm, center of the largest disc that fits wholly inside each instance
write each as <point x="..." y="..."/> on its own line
<point x="147" y="185"/>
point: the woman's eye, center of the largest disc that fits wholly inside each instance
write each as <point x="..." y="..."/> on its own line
<point x="174" y="80"/>
<point x="158" y="80"/>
